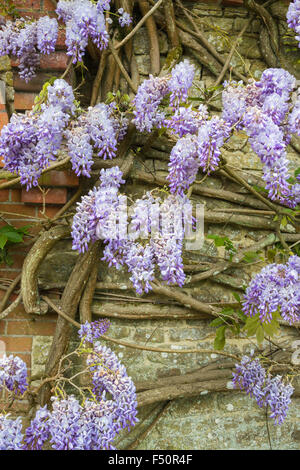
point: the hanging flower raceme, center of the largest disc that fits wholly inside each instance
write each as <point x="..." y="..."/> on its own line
<point x="84" y="21"/>
<point x="293" y="18"/>
<point x="13" y="374"/>
<point x="26" y="40"/>
<point x="29" y="142"/>
<point x="275" y="288"/>
<point x="102" y="215"/>
<point x="267" y="391"/>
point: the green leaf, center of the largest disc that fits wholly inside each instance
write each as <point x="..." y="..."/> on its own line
<point x="252" y="323"/>
<point x="226" y="311"/>
<point x="3" y="240"/>
<point x="11" y="234"/>
<point x="271" y="255"/>
<point x="236" y="296"/>
<point x="250" y="256"/>
<point x="260" y="334"/>
<point x="14" y="237"/>
<point x="273" y="326"/>
<point x="217" y="322"/>
<point x="219" y="342"/>
<point x="24" y="229"/>
<point x="284" y="221"/>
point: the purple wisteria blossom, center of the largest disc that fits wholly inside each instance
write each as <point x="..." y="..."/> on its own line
<point x="125" y="18"/>
<point x="26" y="40"/>
<point x="89" y="424"/>
<point x="11" y="435"/>
<point x="180" y="82"/>
<point x="266" y="112"/>
<point x="250" y="376"/>
<point x="110" y="376"/>
<point x="84" y="21"/>
<point x="186" y="120"/>
<point x="147" y="100"/>
<point x="90" y="331"/>
<point x="38" y="431"/>
<point x="47" y="32"/>
<point x="29" y="142"/>
<point x="61" y="94"/>
<point x="80" y="151"/>
<point x="102" y="214"/>
<point x="210" y="138"/>
<point x="184" y="164"/>
<point x="13" y="374"/>
<point x="96" y="209"/>
<point x="275" y="288"/>
<point x="293" y="18"/>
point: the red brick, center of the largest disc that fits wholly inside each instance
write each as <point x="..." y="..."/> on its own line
<point x="19" y="312"/>
<point x="51" y="196"/>
<point x="4" y="195"/>
<point x="56" y="61"/>
<point x="50" y="211"/>
<point x="48" y="6"/>
<point x="15" y="195"/>
<point x="3" y="119"/>
<point x="61" y="39"/>
<point x="2" y="328"/>
<point x="27" y="4"/>
<point x="59" y="178"/>
<point x="18" y="209"/>
<point x="8" y="274"/>
<point x="31" y="327"/>
<point x="18" y="406"/>
<point x="18" y="260"/>
<point x="24" y="100"/>
<point x="17" y="343"/>
<point x="35" y="84"/>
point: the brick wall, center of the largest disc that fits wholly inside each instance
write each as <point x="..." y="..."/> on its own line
<point x="20" y="207"/>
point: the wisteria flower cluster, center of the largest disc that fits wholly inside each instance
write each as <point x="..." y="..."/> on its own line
<point x="13" y="374"/>
<point x="195" y="151"/>
<point x="262" y="109"/>
<point x="84" y="20"/>
<point x="268" y="391"/>
<point x="151" y="93"/>
<point x="267" y="113"/>
<point x="27" y="40"/>
<point x="96" y="129"/>
<point x="125" y="19"/>
<point x="276" y="288"/>
<point x="267" y="110"/>
<point x="70" y="424"/>
<point x="91" y="331"/>
<point x="293" y="18"/>
<point x="11" y="435"/>
<point x="29" y="142"/>
<point x="102" y="214"/>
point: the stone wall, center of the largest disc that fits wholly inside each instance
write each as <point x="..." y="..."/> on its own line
<point x="212" y="420"/>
